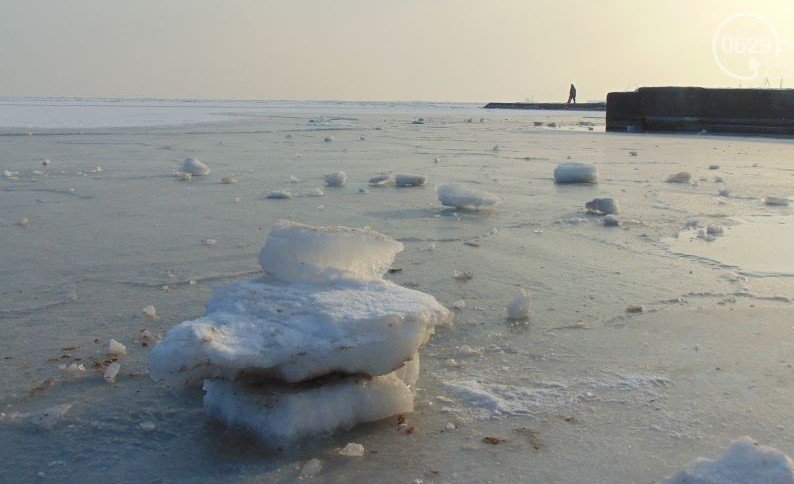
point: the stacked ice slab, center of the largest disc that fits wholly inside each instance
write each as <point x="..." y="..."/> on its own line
<point x="321" y="342"/>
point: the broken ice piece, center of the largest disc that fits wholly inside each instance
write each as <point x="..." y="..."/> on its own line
<point x="336" y="179"/>
<point x="680" y="177"/>
<point x="603" y="205"/>
<point x="111" y="372"/>
<point x="147" y="426"/>
<point x="575" y="173"/>
<point x="380" y="179"/>
<point x="459" y="304"/>
<point x="311" y="468"/>
<point x="116" y="349"/>
<point x="519" y="306"/>
<point x="715" y="230"/>
<point x="462" y="274"/>
<point x="409" y="179"/>
<point x="781" y="201"/>
<point x="352" y="450"/>
<point x="151" y="313"/>
<point x="279" y="195"/>
<point x="611" y="221"/>
<point x="458" y="196"/>
<point x="283" y="413"/>
<point x="229" y="179"/>
<point x="24" y="222"/>
<point x="195" y="167"/>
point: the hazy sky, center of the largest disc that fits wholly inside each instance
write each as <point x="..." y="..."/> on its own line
<point x="445" y="50"/>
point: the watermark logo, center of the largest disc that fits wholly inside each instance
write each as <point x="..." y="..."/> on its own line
<point x="748" y="47"/>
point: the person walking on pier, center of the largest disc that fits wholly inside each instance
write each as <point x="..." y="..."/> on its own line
<point x="572" y="95"/>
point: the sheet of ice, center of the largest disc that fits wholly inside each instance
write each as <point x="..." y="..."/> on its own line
<point x="297" y="252"/>
<point x="279" y="414"/>
<point x="454" y="195"/>
<point x="744" y="462"/>
<point x="195" y="167"/>
<point x="575" y="173"/>
<point x="298" y="331"/>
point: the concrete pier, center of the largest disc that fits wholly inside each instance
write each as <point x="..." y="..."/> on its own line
<point x="697" y="109"/>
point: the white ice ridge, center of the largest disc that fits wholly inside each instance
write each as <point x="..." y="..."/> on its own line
<point x="296" y="252"/>
<point x="454" y="195"/>
<point x="278" y="413"/>
<point x="323" y="308"/>
<point x="744" y="462"/>
<point x="575" y="173"/>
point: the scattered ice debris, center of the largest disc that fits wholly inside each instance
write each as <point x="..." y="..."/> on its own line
<point x="380" y="179"/>
<point x="147" y="426"/>
<point x="462" y="274"/>
<point x="279" y="195"/>
<point x="575" y="173"/>
<point x="315" y="192"/>
<point x="310" y="469"/>
<point x="195" y="167"/>
<point x="151" y="313"/>
<point x="680" y="177"/>
<point x="352" y="450"/>
<point x="185" y="176"/>
<point x="459" y="304"/>
<point x="45" y="419"/>
<point x="116" y="349"/>
<point x="781" y="201"/>
<point x="111" y="372"/>
<point x="454" y="195"/>
<point x="744" y="462"/>
<point x="10" y="175"/>
<point x="294" y="179"/>
<point x="605" y="206"/>
<point x="336" y="179"/>
<point x="724" y="192"/>
<point x="24" y="222"/>
<point x="410" y="179"/>
<point x="320" y="342"/>
<point x="518" y="308"/>
<point x="714" y="167"/>
<point x="635" y="309"/>
<point x="328" y="139"/>
<point x="209" y="241"/>
<point x="612" y="221"/>
<point x="229" y="179"/>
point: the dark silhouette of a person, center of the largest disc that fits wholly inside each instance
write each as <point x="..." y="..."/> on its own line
<point x="572" y="95"/>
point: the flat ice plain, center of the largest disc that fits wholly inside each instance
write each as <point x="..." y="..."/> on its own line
<point x="582" y="391"/>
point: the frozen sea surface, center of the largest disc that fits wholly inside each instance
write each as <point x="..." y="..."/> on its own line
<point x="582" y="391"/>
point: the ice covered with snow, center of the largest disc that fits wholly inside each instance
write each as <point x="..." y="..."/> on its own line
<point x="195" y="167"/>
<point x="410" y="179"/>
<point x="322" y="308"/>
<point x="458" y="196"/>
<point x="336" y="179"/>
<point x="297" y="252"/>
<point x="744" y="462"/>
<point x="575" y="173"/>
<point x="279" y="413"/>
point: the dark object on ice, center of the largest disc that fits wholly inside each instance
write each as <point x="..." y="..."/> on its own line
<point x="493" y="440"/>
<point x="697" y="109"/>
<point x="572" y="95"/>
<point x="549" y="107"/>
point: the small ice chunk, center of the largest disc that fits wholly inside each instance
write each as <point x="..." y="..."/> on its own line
<point x="229" y="179"/>
<point x="466" y="350"/>
<point x="714" y="167"/>
<point x="315" y="192"/>
<point x="462" y="274"/>
<point x="680" y="177"/>
<point x="409" y="179"/>
<point x="279" y="195"/>
<point x="310" y="469"/>
<point x="459" y="304"/>
<point x="781" y="201"/>
<point x="195" y="167"/>
<point x="715" y="230"/>
<point x="380" y="179"/>
<point x="116" y="349"/>
<point x="603" y="205"/>
<point x="295" y="252"/>
<point x="352" y="450"/>
<point x="744" y="462"/>
<point x="10" y="175"/>
<point x="185" y="176"/>
<point x="519" y="307"/>
<point x="328" y="139"/>
<point x="147" y="426"/>
<point x="633" y="153"/>
<point x="46" y="162"/>
<point x="111" y="372"/>
<point x="496" y="148"/>
<point x="151" y="313"/>
<point x="284" y="413"/>
<point x="454" y="195"/>
<point x="73" y="369"/>
<point x="288" y="136"/>
<point x="294" y="179"/>
<point x="336" y="179"/>
<point x="724" y="192"/>
<point x="209" y="241"/>
<point x="47" y="418"/>
<point x="611" y="220"/>
<point x="575" y="173"/>
<point x="436" y="160"/>
<point x="24" y="222"/>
